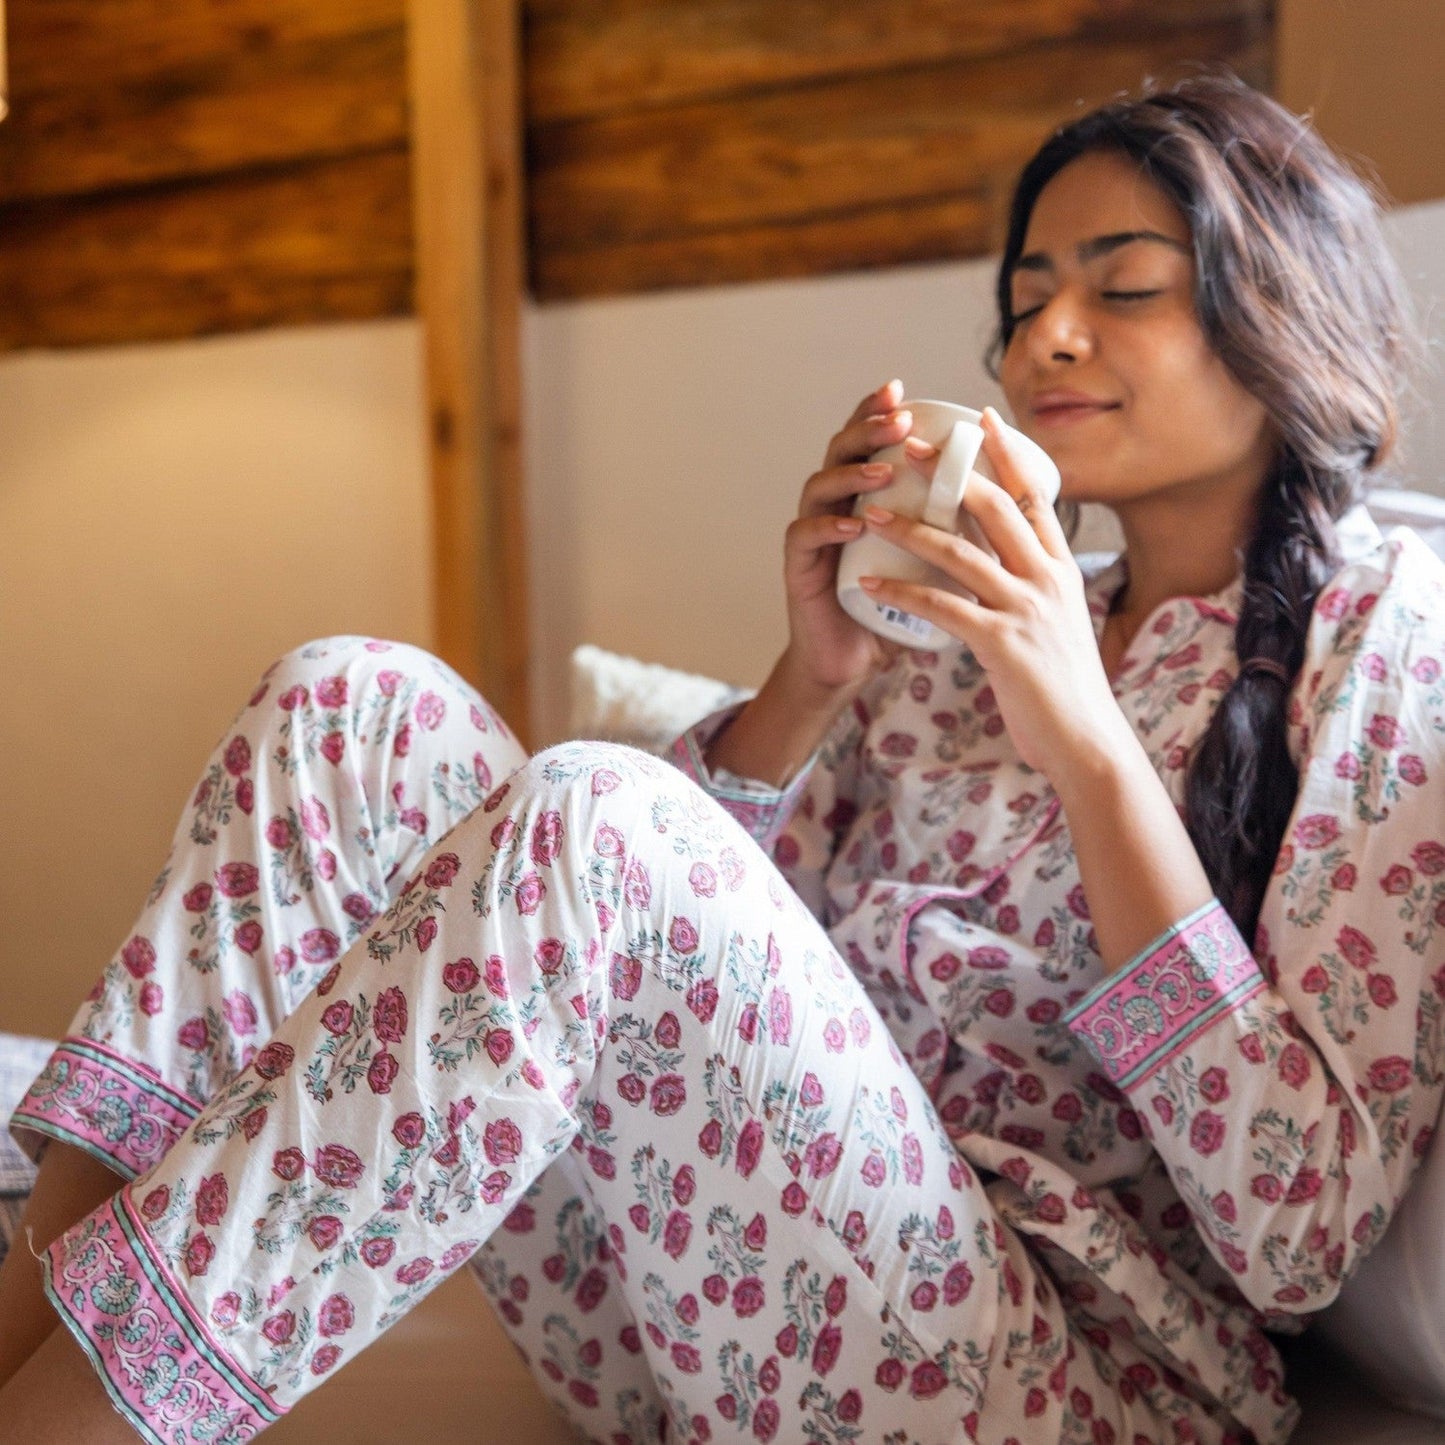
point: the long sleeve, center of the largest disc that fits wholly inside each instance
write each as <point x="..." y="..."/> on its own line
<point x="798" y="825"/>
<point x="1292" y="1090"/>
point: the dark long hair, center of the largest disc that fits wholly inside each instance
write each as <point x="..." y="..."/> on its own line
<point x="1299" y="297"/>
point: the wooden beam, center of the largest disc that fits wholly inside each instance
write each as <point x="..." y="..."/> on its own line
<point x="709" y="178"/>
<point x="629" y="55"/>
<point x="463" y="65"/>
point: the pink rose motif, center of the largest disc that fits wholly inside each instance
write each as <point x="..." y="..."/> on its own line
<point x="246" y="796"/>
<point x="605" y="781"/>
<point x="382" y="1073"/>
<point x="279" y="1328"/>
<point x="668" y="1031"/>
<point x="409" y="1130"/>
<point x="794" y="1199"/>
<point x="502" y="1140"/>
<point x="850" y="1407"/>
<point x="702" y="999"/>
<point x="928" y="1380"/>
<point x="332" y="692"/>
<point x="607" y="842"/>
<point x="1316" y="830"/>
<point x="319" y="945"/>
<point x="1398" y="880"/>
<point x="248" y="937"/>
<point x="684" y="1185"/>
<point x="874" y="1170"/>
<point x="401" y="743"/>
<point x="293" y="698"/>
<point x="889" y="1375"/>
<point x="274" y="1060"/>
<point x="442" y="871"/>
<point x="748" y="1296"/>
<point x="1206" y="1132"/>
<point x="238" y="880"/>
<point x="822" y="1156"/>
<point x="498" y="1044"/>
<point x="676" y="1234"/>
<point x="155" y="1203"/>
<point x="335" y="1316"/>
<point x="430" y="711"/>
<point x="669" y="1093"/>
<point x="835" y="1297"/>
<point x="338" y="1166"/>
<point x="152" y="999"/>
<point x="780" y="1016"/>
<point x="415" y="1271"/>
<point x="1426" y="670"/>
<point x="193" y="1034"/>
<point x="702" y="880"/>
<point x="626" y="976"/>
<point x="198" y="899"/>
<point x="912" y="1152"/>
<point x="957" y="1283"/>
<point x="1314" y="979"/>
<point x="288" y="1164"/>
<point x="924" y="1296"/>
<point x="1305" y="1186"/>
<point x="591" y="1289"/>
<point x="1385" y="732"/>
<point x="324" y="1359"/>
<point x="709" y="1139"/>
<point x="750" y="1147"/>
<point x="530" y="892"/>
<point x="139" y="956"/>
<point x="389" y="1018"/>
<point x="1214" y="1085"/>
<point x="826" y="1348"/>
<point x="387" y="682"/>
<point x="333" y="746"/>
<point x="315" y="820"/>
<point x="1356" y="947"/>
<point x="279" y="834"/>
<point x="546" y="842"/>
<point x="226" y="1310"/>
<point x="324" y="1231"/>
<point x="238" y="756"/>
<point x="682" y="936"/>
<point x="462" y="976"/>
<point x="636" y="885"/>
<point x="1382" y="990"/>
<point x="1389" y="1075"/>
<point x="1412" y="769"/>
<point x="748" y="1023"/>
<point x="550" y="954"/>
<point x="631" y="1088"/>
<point x="199" y="1254"/>
<point x="1429" y="858"/>
<point x="213" y="1199"/>
<point x="337" y="1017"/>
<point x="240" y="1012"/>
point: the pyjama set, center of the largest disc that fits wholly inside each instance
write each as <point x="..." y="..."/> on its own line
<point x="923" y="1176"/>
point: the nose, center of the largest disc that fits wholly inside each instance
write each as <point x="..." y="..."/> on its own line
<point x="1060" y="331"/>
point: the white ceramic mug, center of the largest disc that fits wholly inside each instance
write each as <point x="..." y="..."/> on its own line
<point x="957" y="433"/>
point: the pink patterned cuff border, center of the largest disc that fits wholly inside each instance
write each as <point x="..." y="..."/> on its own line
<point x="1141" y="1017"/>
<point x="761" y="810"/>
<point x="112" y="1107"/>
<point x="156" y="1360"/>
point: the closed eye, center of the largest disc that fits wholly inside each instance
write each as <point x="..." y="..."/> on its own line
<point x="1131" y="295"/>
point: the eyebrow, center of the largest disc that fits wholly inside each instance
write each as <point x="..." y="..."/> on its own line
<point x="1098" y="246"/>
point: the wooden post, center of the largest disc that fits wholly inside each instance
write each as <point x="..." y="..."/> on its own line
<point x="463" y="78"/>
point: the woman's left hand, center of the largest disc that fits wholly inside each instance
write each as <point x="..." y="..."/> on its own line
<point x="1030" y="627"/>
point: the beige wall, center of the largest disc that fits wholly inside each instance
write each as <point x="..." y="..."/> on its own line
<point x="1370" y="72"/>
<point x="171" y="518"/>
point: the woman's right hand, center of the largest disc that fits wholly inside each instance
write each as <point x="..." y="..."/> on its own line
<point x="827" y="649"/>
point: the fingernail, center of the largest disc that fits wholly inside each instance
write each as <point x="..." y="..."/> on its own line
<point x="868" y="584"/>
<point x="877" y="514"/>
<point x="991" y="416"/>
<point x="877" y="469"/>
<point x="849" y="526"/>
<point x="917" y="447"/>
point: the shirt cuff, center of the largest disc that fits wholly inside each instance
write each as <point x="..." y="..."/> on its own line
<point x="1196" y="972"/>
<point x="761" y="808"/>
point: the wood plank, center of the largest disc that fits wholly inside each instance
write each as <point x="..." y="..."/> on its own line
<point x="332" y="96"/>
<point x="595" y="59"/>
<point x="887" y="236"/>
<point x="834" y="147"/>
<point x="328" y="240"/>
<point x="467" y="148"/>
<point x="69" y="44"/>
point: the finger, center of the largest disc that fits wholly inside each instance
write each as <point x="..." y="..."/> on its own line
<point x="1005" y="527"/>
<point x="954" y="556"/>
<point x="808" y="538"/>
<point x="885" y="398"/>
<point x="1010" y="467"/>
<point x="960" y="617"/>
<point x="834" y="489"/>
<point x="861" y="438"/>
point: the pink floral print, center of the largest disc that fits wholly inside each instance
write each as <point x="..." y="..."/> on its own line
<point x="850" y="1142"/>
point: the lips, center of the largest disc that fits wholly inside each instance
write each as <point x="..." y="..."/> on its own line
<point x="1062" y="406"/>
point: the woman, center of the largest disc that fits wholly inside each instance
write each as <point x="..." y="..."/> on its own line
<point x="1108" y="1056"/>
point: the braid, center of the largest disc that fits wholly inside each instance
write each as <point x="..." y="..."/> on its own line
<point x="1242" y="783"/>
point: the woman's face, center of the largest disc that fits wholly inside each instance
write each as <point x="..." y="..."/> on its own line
<point x="1108" y="368"/>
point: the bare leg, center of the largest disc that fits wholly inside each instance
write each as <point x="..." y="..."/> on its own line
<point x="70" y="1184"/>
<point x="58" y="1370"/>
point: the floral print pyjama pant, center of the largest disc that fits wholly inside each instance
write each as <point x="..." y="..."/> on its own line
<point x="403" y="999"/>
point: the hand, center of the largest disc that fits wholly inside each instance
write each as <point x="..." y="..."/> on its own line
<point x="1030" y="626"/>
<point x="827" y="650"/>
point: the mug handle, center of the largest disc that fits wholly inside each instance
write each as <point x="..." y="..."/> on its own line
<point x="950" y="477"/>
